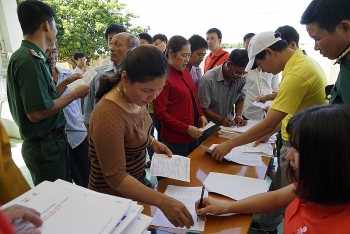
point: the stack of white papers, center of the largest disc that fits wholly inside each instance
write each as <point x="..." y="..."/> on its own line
<point x="68" y="208"/>
<point x="231" y="132"/>
<point x="177" y="167"/>
<point x="235" y="187"/>
<point x="188" y="196"/>
<point x="246" y="154"/>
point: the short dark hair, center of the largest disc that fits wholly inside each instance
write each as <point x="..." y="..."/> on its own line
<point x="247" y="36"/>
<point x="326" y="14"/>
<point x="289" y="34"/>
<point x="321" y="136"/>
<point x="78" y="54"/>
<point x="239" y="57"/>
<point x="197" y="42"/>
<point x="215" y="30"/>
<point x="142" y="64"/>
<point x="114" y="28"/>
<point x="31" y="14"/>
<point x="175" y="44"/>
<point x="146" y="37"/>
<point x="161" y="37"/>
<point x="277" y="46"/>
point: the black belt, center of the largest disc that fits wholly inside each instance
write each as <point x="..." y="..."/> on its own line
<point x="55" y="133"/>
<point x="286" y="143"/>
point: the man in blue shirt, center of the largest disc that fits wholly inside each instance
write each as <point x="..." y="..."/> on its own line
<point x="75" y="129"/>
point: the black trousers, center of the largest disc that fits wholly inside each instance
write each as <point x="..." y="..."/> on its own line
<point x="80" y="164"/>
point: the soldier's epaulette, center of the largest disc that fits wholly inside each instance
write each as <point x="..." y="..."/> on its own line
<point x="34" y="53"/>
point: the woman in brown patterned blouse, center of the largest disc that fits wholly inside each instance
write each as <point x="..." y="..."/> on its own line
<point x="120" y="132"/>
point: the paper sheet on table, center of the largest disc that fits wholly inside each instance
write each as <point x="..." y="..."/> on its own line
<point x="137" y="226"/>
<point x="209" y="125"/>
<point x="87" y="78"/>
<point x="262" y="105"/>
<point x="177" y="167"/>
<point x="235" y="187"/>
<point x="188" y="196"/>
<point x="240" y="129"/>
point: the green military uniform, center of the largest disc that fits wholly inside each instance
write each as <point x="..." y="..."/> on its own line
<point x="340" y="92"/>
<point x="30" y="88"/>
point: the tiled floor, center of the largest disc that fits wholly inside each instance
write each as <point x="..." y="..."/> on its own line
<point x="16" y="146"/>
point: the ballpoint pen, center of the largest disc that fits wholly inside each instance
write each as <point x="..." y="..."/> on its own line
<point x="200" y="205"/>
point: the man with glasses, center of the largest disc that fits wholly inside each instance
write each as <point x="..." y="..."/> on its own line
<point x="80" y="60"/>
<point x="221" y="92"/>
<point x="75" y="129"/>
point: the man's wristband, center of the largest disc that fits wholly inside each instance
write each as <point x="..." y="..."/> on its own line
<point x="238" y="116"/>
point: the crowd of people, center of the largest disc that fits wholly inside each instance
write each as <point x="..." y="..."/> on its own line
<point x="99" y="134"/>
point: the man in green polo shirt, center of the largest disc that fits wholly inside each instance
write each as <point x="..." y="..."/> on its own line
<point x="34" y="98"/>
<point x="328" y="23"/>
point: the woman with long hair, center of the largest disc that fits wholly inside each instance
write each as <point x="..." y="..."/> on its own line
<point x="318" y="201"/>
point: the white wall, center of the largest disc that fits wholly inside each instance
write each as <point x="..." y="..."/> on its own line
<point x="10" y="30"/>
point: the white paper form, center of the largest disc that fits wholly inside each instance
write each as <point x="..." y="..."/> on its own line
<point x="209" y="125"/>
<point x="87" y="78"/>
<point x="69" y="212"/>
<point x="188" y="196"/>
<point x="262" y="105"/>
<point x="177" y="167"/>
<point x="235" y="187"/>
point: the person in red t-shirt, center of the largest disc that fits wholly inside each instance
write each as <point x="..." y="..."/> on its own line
<point x="317" y="202"/>
<point x="217" y="55"/>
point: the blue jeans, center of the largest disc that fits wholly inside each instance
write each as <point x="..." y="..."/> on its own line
<point x="182" y="149"/>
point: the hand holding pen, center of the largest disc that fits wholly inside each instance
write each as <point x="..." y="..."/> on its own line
<point x="227" y="121"/>
<point x="200" y="204"/>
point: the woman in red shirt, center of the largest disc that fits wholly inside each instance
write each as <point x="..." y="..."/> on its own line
<point x="177" y="106"/>
<point x="317" y="202"/>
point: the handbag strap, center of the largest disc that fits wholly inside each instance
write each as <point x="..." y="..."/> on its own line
<point x="217" y="59"/>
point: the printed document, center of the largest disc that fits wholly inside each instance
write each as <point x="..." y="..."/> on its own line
<point x="177" y="167"/>
<point x="64" y="211"/>
<point x="188" y="196"/>
<point x="87" y="78"/>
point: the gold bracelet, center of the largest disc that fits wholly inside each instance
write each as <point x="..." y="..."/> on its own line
<point x="151" y="142"/>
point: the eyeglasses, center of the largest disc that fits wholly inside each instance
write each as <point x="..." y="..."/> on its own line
<point x="239" y="74"/>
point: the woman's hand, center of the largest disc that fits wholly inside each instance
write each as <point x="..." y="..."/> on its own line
<point x="194" y="132"/>
<point x="160" y="148"/>
<point x="210" y="206"/>
<point x="176" y="212"/>
<point x="203" y="121"/>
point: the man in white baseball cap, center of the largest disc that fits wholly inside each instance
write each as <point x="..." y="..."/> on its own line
<point x="302" y="86"/>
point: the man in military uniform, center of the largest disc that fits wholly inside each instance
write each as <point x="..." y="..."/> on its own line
<point x="34" y="98"/>
<point x="331" y="31"/>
